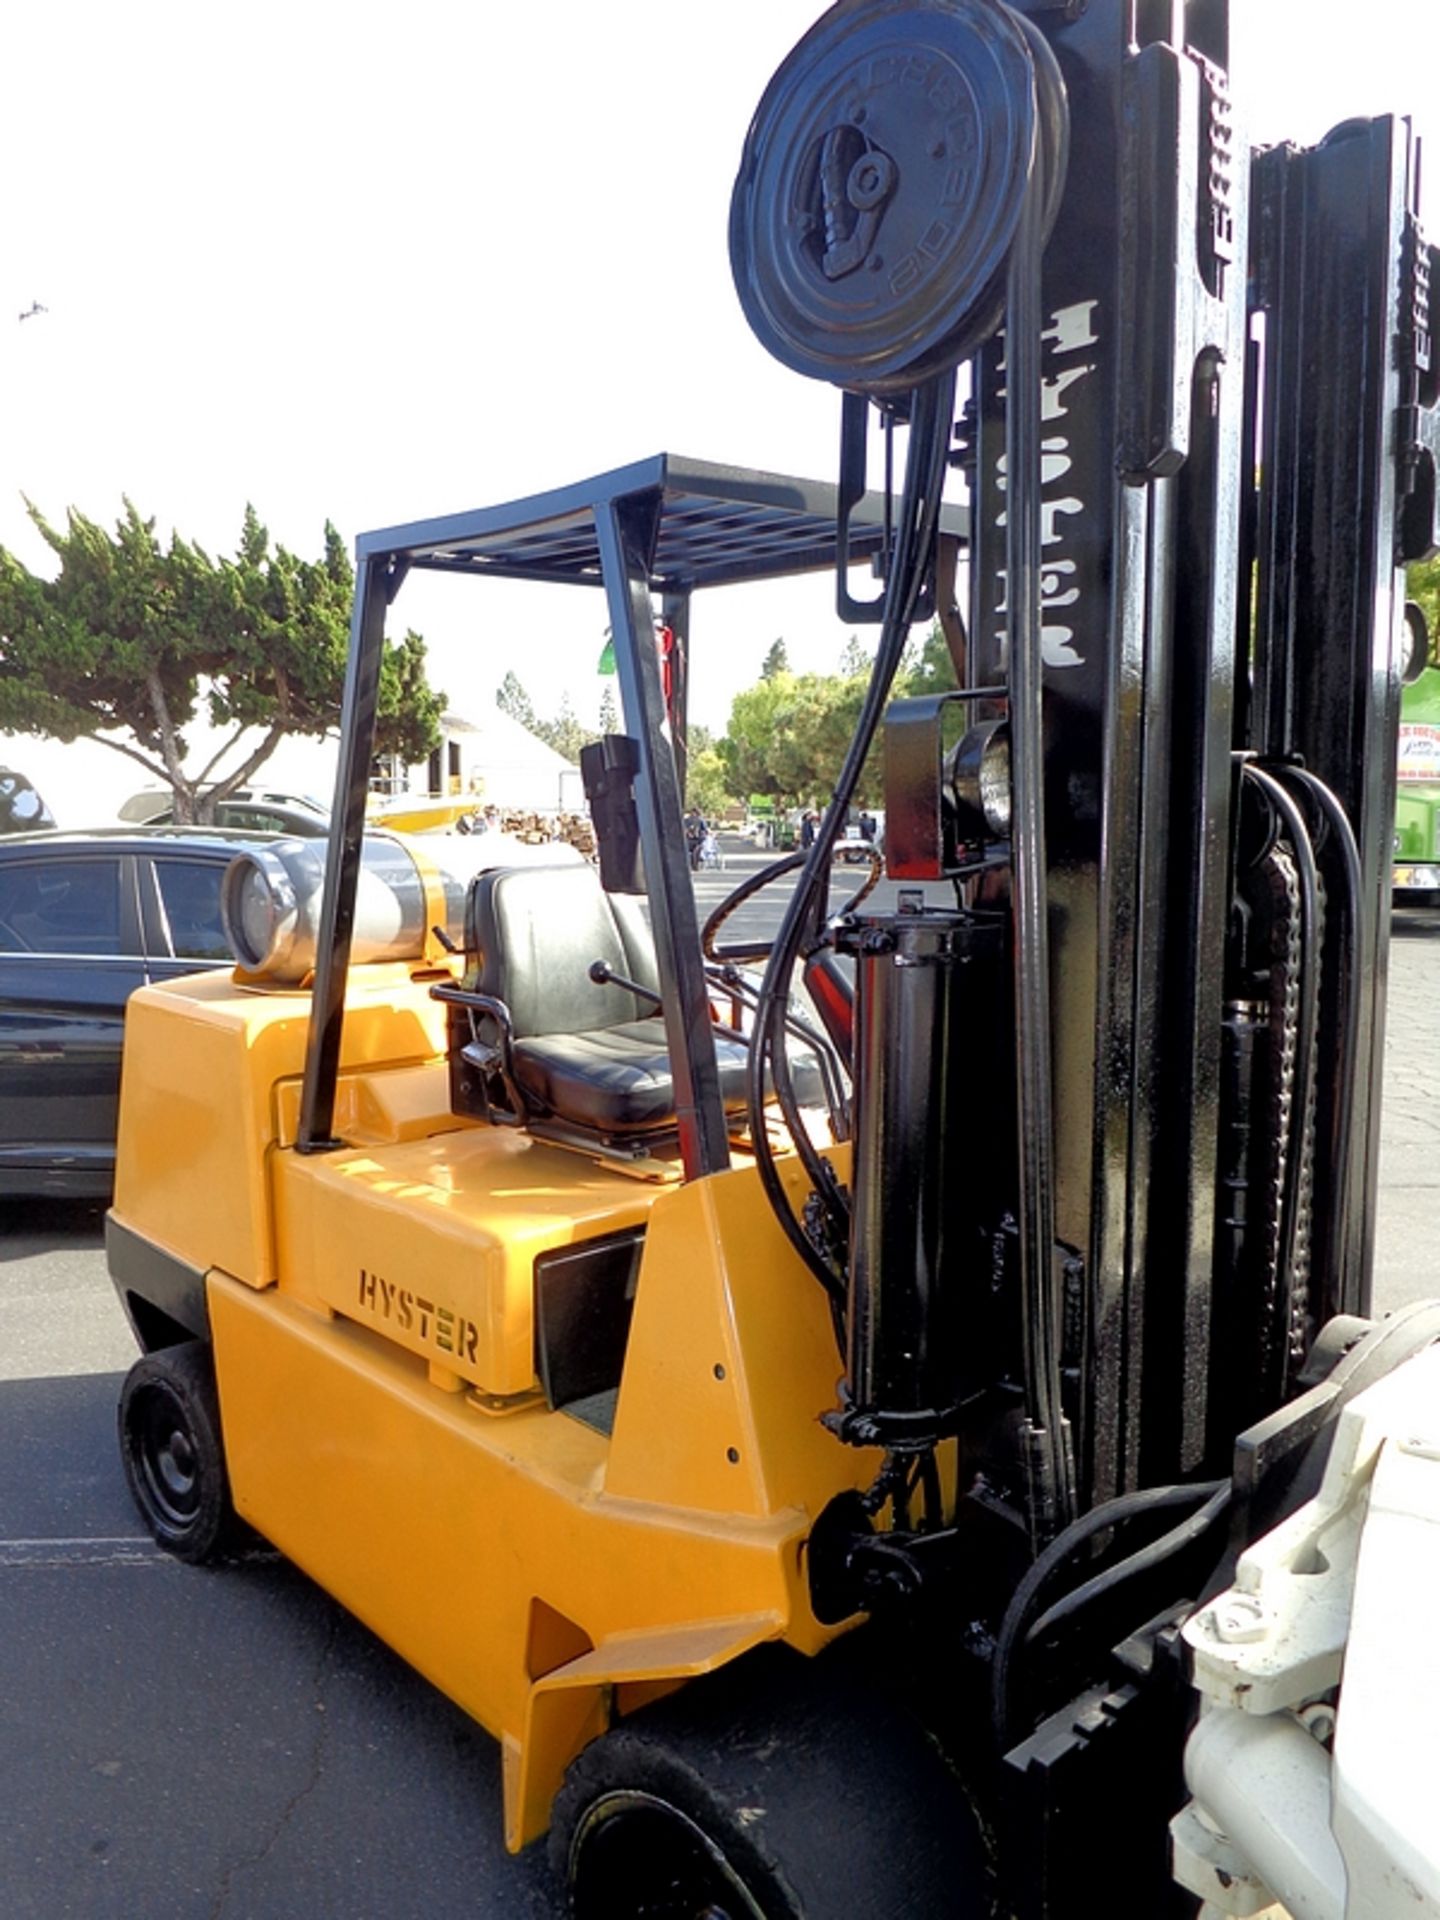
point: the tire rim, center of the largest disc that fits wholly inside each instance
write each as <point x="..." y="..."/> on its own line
<point x="636" y="1857"/>
<point x="167" y="1465"/>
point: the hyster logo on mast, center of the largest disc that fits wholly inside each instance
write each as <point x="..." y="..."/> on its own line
<point x="1070" y="332"/>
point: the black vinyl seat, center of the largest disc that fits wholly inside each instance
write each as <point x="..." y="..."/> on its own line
<point x="536" y="1040"/>
<point x="617" y="1079"/>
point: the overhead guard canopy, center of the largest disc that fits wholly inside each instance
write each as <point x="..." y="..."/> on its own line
<point x="718" y="526"/>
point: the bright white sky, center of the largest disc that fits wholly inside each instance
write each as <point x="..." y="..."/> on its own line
<point x="376" y="263"/>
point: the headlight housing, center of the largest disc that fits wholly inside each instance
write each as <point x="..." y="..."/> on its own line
<point x="979" y="782"/>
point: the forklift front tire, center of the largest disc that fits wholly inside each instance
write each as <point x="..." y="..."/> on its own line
<point x="765" y="1793"/>
<point x="169" y="1420"/>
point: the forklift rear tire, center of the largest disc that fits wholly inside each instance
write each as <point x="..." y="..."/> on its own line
<point x="171" y="1448"/>
<point x="767" y="1792"/>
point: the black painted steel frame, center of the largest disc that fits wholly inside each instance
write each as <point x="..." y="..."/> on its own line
<point x="647" y="534"/>
<point x="1140" y="517"/>
<point x="1151" y="513"/>
<point x="1330" y="230"/>
<point x="1191" y="295"/>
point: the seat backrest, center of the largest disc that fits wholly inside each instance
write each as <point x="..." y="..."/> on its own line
<point x="531" y="937"/>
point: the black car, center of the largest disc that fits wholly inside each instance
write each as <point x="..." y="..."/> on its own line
<point x="85" y="919"/>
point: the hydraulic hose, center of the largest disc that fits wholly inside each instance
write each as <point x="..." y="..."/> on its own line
<point x="1044" y="1571"/>
<point x="1186" y="1533"/>
<point x="932" y="418"/>
<point x="830" y="324"/>
<point x="1346" y="907"/>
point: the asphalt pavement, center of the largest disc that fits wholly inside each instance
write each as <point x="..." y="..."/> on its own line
<point x="228" y="1744"/>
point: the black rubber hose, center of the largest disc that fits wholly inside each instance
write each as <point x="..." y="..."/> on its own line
<point x="1047" y="1565"/>
<point x="1342" y="836"/>
<point x="932" y="417"/>
<point x="1142" y="1561"/>
<point x="733" y="901"/>
<point x="918" y="524"/>
<point x="931" y="423"/>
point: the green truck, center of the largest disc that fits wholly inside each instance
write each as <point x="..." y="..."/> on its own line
<point x="1417" y="800"/>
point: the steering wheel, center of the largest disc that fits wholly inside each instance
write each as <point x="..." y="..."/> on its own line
<point x="748" y="888"/>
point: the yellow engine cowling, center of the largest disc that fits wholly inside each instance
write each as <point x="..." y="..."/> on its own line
<point x="371" y="1310"/>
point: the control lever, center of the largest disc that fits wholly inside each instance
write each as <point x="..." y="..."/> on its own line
<point x="605" y="975"/>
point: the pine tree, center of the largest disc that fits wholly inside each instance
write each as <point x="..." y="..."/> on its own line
<point x="514" y="700"/>
<point x="777" y="661"/>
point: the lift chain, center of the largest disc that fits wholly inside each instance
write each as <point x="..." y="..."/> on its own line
<point x="1290" y="1134"/>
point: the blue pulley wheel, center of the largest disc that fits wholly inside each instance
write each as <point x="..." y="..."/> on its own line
<point x="881" y="186"/>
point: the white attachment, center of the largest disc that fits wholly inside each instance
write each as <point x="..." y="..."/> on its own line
<point x="1387" y="1763"/>
<point x="1266" y="1784"/>
<point x="1352" y="1580"/>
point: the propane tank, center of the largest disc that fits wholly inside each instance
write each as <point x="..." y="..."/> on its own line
<point x="270" y="898"/>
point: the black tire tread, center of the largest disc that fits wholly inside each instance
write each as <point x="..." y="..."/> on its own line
<point x="848" y="1808"/>
<point x="188" y="1372"/>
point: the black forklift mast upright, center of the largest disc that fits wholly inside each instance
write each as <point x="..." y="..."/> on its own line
<point x="1195" y="635"/>
<point x="1189" y="584"/>
<point x="1182" y="300"/>
<point x="1342" y="289"/>
<point x="1143" y="361"/>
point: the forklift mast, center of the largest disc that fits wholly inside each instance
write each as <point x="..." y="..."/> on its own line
<point x="1210" y="600"/>
<point x="1212" y="411"/>
<point x="1198" y="440"/>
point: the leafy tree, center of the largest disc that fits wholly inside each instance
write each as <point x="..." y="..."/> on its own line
<point x="789" y="733"/>
<point x="134" y="638"/>
<point x="930" y="669"/>
<point x="609" y="711"/>
<point x="781" y="735"/>
<point x="777" y="661"/>
<point x="750" y="746"/>
<point x="1422" y="584"/>
<point x="707" y="784"/>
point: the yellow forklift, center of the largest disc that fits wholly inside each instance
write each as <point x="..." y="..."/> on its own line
<point x="887" y="1422"/>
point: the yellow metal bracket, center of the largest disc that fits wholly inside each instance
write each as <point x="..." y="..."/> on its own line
<point x="571" y="1706"/>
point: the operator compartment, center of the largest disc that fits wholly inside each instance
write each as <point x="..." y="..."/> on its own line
<point x="556" y="1025"/>
<point x="452" y="1239"/>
